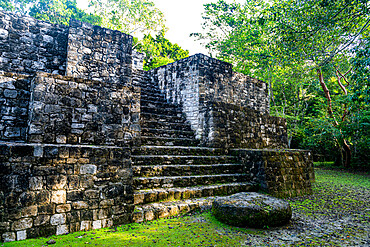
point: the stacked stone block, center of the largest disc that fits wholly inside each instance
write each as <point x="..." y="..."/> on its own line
<point x="98" y="53"/>
<point x="197" y="81"/>
<point x="281" y="173"/>
<point x="28" y="45"/>
<point x="52" y="183"/>
<point x="14" y="100"/>
<point x="57" y="189"/>
<point x="78" y="111"/>
<point x="233" y="126"/>
<point x="218" y="82"/>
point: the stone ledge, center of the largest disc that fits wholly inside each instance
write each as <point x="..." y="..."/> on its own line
<point x="163" y="210"/>
<point x="16" y="144"/>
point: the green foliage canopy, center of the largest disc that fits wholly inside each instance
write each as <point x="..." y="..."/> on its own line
<point x="53" y="11"/>
<point x="130" y="16"/>
<point x="303" y="50"/>
<point x="159" y="51"/>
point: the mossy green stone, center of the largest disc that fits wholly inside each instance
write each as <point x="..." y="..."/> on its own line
<point x="252" y="209"/>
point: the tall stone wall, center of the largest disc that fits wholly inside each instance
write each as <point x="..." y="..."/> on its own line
<point x="196" y="82"/>
<point x="65" y="141"/>
<point x="218" y="82"/>
<point x="72" y="170"/>
<point x="99" y="54"/>
<point x="77" y="111"/>
<point x="232" y="126"/>
<point x="28" y="45"/>
<point x="14" y="103"/>
<point x="51" y="189"/>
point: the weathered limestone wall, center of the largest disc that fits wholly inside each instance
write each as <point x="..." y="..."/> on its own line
<point x="98" y="53"/>
<point x="65" y="141"/>
<point x="232" y="126"/>
<point x="77" y="111"/>
<point x="218" y="82"/>
<point x="51" y="189"/>
<point x="137" y="60"/>
<point x="28" y="45"/>
<point x="196" y="82"/>
<point x="180" y="83"/>
<point x="63" y="180"/>
<point x="281" y="173"/>
<point x="14" y="103"/>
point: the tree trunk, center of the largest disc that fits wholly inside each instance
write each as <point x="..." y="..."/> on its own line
<point x="345" y="149"/>
<point x="347" y="155"/>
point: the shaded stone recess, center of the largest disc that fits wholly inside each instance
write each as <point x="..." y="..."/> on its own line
<point x="28" y="45"/>
<point x="281" y="173"/>
<point x="231" y="126"/>
<point x="77" y="111"/>
<point x="55" y="189"/>
<point x="14" y="103"/>
<point x="98" y="53"/>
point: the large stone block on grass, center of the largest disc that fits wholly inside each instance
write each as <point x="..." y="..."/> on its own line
<point x="252" y="209"/>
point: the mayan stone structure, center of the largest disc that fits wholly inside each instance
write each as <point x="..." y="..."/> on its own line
<point x="90" y="140"/>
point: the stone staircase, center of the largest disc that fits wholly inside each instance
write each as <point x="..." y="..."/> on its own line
<point x="172" y="173"/>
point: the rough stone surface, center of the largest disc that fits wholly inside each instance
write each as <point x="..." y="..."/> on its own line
<point x="98" y="53"/>
<point x="14" y="102"/>
<point x="68" y="196"/>
<point x="67" y="110"/>
<point x="195" y="81"/>
<point x="229" y="125"/>
<point x="281" y="173"/>
<point x="28" y="45"/>
<point x="252" y="209"/>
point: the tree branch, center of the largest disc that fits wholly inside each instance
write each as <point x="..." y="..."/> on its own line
<point x="327" y="95"/>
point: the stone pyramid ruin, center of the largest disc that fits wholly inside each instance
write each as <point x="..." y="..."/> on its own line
<point x="90" y="140"/>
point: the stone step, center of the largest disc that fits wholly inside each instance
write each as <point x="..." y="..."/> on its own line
<point x="152" y="91"/>
<point x="171" y="194"/>
<point x="167" y="133"/>
<point x="154" y="98"/>
<point x="149" y="85"/>
<point x="186" y="170"/>
<point x="178" y="150"/>
<point x="152" y="95"/>
<point x="141" y="183"/>
<point x="168" y="141"/>
<point x="155" y="211"/>
<point x="169" y="110"/>
<point x="159" y="103"/>
<point x="145" y="116"/>
<point x="164" y="125"/>
<point x="182" y="159"/>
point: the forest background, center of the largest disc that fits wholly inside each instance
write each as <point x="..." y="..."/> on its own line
<point x="314" y="55"/>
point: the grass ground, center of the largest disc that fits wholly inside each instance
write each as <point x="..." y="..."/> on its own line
<point x="336" y="194"/>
